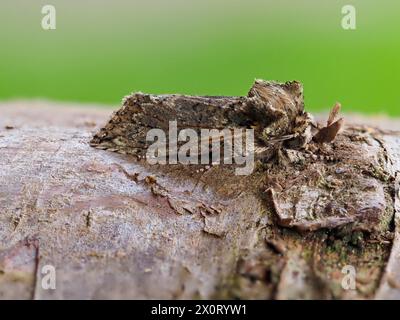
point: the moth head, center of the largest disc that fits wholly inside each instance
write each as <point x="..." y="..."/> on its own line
<point x="284" y="97"/>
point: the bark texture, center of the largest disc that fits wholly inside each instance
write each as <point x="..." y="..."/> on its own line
<point x="115" y="227"/>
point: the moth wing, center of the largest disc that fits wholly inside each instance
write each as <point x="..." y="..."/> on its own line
<point x="257" y="150"/>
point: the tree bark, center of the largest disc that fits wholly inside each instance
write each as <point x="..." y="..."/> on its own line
<point x="115" y="227"/>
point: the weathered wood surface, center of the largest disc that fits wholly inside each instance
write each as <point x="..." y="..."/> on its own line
<point x="114" y="227"/>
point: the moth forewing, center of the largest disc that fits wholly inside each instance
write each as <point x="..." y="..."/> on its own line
<point x="226" y="146"/>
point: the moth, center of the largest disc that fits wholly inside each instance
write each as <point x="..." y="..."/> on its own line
<point x="275" y="111"/>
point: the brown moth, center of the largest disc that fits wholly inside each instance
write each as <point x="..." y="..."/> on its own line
<point x="274" y="110"/>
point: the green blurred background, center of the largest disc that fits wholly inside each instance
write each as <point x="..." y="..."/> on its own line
<point x="103" y="50"/>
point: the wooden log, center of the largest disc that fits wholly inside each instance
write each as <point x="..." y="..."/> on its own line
<point x="115" y="227"/>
